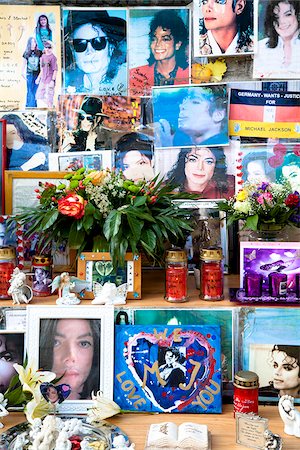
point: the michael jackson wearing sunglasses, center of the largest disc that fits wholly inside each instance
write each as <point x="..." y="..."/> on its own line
<point x="95" y="53"/>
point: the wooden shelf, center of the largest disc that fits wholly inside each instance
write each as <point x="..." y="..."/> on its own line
<point x="221" y="426"/>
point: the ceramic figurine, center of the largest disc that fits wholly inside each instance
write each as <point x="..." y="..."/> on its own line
<point x="20" y="292"/>
<point x="3" y="411"/>
<point x="272" y="441"/>
<point x="120" y="443"/>
<point x="65" y="283"/>
<point x="109" y="294"/>
<point x="289" y="415"/>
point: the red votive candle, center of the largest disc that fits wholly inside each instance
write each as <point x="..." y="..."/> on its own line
<point x="176" y="276"/>
<point x="253" y="284"/>
<point x="211" y="274"/>
<point x="7" y="266"/>
<point x="245" y="394"/>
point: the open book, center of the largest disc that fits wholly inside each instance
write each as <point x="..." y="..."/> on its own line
<point x="168" y="435"/>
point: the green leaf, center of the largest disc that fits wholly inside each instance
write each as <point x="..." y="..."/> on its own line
<point x="76" y="237"/>
<point x="251" y="222"/>
<point x="139" y="201"/>
<point x="136" y="226"/>
<point x="49" y="219"/>
<point x="149" y="238"/>
<point x="112" y="224"/>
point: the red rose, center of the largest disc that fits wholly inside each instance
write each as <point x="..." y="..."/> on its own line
<point x="72" y="205"/>
<point x="292" y="200"/>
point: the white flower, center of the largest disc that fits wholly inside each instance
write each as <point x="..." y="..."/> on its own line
<point x="242" y="207"/>
<point x="102" y="408"/>
<point x="31" y="378"/>
<point x="37" y="408"/>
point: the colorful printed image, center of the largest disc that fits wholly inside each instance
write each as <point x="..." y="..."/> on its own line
<point x="27" y="141"/>
<point x="278" y="40"/>
<point x="92" y="123"/>
<point x="158" y="48"/>
<point x="187" y="116"/>
<point x="68" y="162"/>
<point x="135" y="156"/>
<point x="269" y="163"/>
<point x="223" y="27"/>
<point x="270" y="347"/>
<point x="95" y="51"/>
<point x="207" y="171"/>
<point x="30" y="56"/>
<point x="281" y="260"/>
<point x="103" y="272"/>
<point x="11" y="352"/>
<point x="170" y="368"/>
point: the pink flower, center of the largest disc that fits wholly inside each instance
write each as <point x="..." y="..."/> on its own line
<point x="265" y="197"/>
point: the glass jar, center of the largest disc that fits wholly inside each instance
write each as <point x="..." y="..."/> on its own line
<point x="176" y="276"/>
<point x="8" y="262"/>
<point x="277" y="284"/>
<point x="41" y="267"/>
<point x="245" y="395"/>
<point x="211" y="274"/>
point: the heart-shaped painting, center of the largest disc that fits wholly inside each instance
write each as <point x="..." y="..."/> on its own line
<point x="168" y="369"/>
<point x="55" y="394"/>
<point x="104" y="268"/>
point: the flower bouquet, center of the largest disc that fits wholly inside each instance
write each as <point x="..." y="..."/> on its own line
<point x="263" y="205"/>
<point x="103" y="211"/>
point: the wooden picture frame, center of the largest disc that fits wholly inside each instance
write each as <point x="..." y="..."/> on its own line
<point x="131" y="274"/>
<point x="43" y="326"/>
<point x="2" y="161"/>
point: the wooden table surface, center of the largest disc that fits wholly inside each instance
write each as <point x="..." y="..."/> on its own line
<point x="221" y="426"/>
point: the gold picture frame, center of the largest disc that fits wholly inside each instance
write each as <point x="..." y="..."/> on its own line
<point x="88" y="268"/>
<point x="19" y="193"/>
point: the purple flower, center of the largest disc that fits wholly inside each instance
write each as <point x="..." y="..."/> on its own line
<point x="264" y="186"/>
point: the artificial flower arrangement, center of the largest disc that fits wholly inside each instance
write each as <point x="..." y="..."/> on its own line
<point x="106" y="212"/>
<point x="263" y="205"/>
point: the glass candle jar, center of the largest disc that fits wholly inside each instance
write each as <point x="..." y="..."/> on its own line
<point x="8" y="262"/>
<point x="253" y="284"/>
<point x="298" y="285"/>
<point x="41" y="267"/>
<point x="245" y="395"/>
<point x="176" y="276"/>
<point x="277" y="284"/>
<point x="211" y="274"/>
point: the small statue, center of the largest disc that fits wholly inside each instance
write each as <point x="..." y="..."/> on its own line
<point x="109" y="294"/>
<point x="272" y="441"/>
<point x="21" y="441"/>
<point x="20" y="292"/>
<point x="120" y="443"/>
<point x="65" y="283"/>
<point x="289" y="415"/>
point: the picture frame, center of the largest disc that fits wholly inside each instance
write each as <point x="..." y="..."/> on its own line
<point x="262" y="258"/>
<point x="142" y="356"/>
<point x="210" y="222"/>
<point x="2" y="161"/>
<point x="13" y="342"/>
<point x="72" y="161"/>
<point x="258" y="331"/>
<point x="20" y="186"/>
<point x="97" y="267"/>
<point x="98" y="326"/>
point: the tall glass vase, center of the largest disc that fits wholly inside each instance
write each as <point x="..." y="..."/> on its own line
<point x="271" y="232"/>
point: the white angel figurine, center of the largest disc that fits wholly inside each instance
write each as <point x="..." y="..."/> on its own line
<point x="120" y="443"/>
<point x="109" y="293"/>
<point x="19" y="291"/>
<point x="65" y="283"/>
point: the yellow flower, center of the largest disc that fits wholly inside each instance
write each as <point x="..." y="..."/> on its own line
<point x="102" y="408"/>
<point x="37" y="408"/>
<point x="97" y="177"/>
<point x="31" y="378"/>
<point x="242" y="195"/>
<point x="218" y="69"/>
